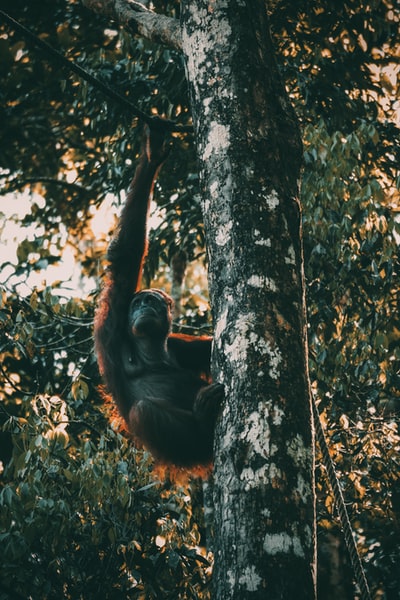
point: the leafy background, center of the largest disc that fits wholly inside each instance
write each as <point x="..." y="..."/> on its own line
<point x="82" y="513"/>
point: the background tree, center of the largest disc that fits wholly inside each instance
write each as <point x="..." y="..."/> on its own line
<point x="339" y="65"/>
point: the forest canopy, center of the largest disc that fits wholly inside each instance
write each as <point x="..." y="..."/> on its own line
<point x="67" y="153"/>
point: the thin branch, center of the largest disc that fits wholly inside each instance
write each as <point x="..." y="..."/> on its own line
<point x="139" y="20"/>
<point x="17" y="184"/>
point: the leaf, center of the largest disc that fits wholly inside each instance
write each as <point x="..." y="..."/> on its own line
<point x="7" y="496"/>
<point x="80" y="389"/>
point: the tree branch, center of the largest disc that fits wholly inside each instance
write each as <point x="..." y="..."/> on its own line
<point x="137" y="19"/>
<point x="19" y="183"/>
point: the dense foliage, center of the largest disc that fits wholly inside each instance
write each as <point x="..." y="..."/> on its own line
<point x="82" y="514"/>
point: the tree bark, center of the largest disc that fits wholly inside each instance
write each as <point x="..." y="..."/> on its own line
<point x="178" y="271"/>
<point x="250" y="154"/>
<point x="137" y="19"/>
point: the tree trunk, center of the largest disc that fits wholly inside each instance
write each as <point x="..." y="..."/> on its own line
<point x="250" y="157"/>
